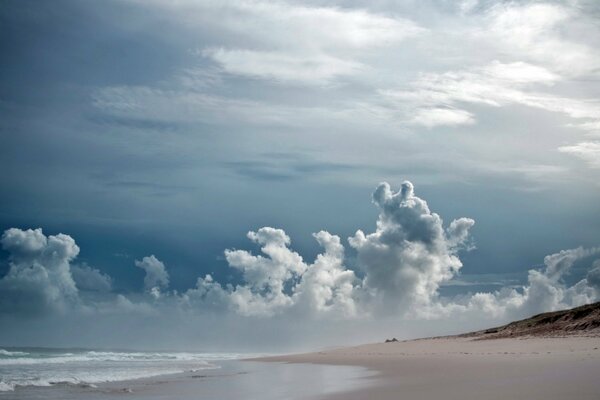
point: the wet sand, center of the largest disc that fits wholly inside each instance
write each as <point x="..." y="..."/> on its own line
<point x="463" y="368"/>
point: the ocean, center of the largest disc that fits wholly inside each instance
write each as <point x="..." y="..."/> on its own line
<point x="40" y="373"/>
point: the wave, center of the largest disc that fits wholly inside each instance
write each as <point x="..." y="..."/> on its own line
<point x="85" y="368"/>
<point x="18" y="358"/>
<point x="6" y="353"/>
<point x="89" y="380"/>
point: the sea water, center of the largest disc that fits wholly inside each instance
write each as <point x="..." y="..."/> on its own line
<point x="38" y="373"/>
<point x="21" y="367"/>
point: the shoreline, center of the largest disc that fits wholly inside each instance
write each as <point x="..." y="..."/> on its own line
<point x="231" y="379"/>
<point x="459" y="368"/>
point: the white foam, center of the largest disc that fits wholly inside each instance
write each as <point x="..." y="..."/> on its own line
<point x="92" y="356"/>
<point x="47" y="368"/>
<point x="7" y="353"/>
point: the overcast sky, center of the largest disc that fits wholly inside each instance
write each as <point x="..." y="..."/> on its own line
<point x="168" y="142"/>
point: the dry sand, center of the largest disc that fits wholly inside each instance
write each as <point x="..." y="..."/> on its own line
<point x="562" y="368"/>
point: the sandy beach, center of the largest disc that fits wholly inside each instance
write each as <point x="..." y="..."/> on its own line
<point x="463" y="368"/>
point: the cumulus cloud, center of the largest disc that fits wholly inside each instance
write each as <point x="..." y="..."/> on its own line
<point x="91" y="279"/>
<point x="265" y="277"/>
<point x="410" y="254"/>
<point x="156" y="274"/>
<point x="593" y="276"/>
<point x="545" y="289"/>
<point x="327" y="286"/>
<point x="39" y="277"/>
<point x="401" y="266"/>
<point x="404" y="262"/>
<point x="282" y="281"/>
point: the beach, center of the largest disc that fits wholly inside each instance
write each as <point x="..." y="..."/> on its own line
<point x="463" y="368"/>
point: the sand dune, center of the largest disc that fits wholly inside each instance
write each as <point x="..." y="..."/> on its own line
<point x="579" y="321"/>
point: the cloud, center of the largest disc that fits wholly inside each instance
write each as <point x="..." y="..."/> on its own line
<point x="180" y="104"/>
<point x="282" y="281"/>
<point x="281" y="66"/>
<point x="496" y="85"/>
<point x="39" y="277"/>
<point x="545" y="290"/>
<point x="593" y="276"/>
<point x="431" y="117"/>
<point x="534" y="32"/>
<point x="400" y="267"/>
<point x="265" y="277"/>
<point x="442" y="99"/>
<point x="592" y="127"/>
<point x="404" y="262"/>
<point x="290" y="42"/>
<point x="410" y="254"/>
<point x="304" y="25"/>
<point x="156" y="275"/>
<point x="327" y="286"/>
<point x="91" y="279"/>
<point x="378" y="71"/>
<point x="587" y="151"/>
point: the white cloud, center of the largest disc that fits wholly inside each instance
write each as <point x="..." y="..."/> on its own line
<point x="593" y="277"/>
<point x="282" y="281"/>
<point x="431" y="117"/>
<point x="327" y="286"/>
<point x="440" y="99"/>
<point x="410" y="254"/>
<point x="290" y="42"/>
<point x="545" y="291"/>
<point x="403" y="262"/>
<point x="156" y="274"/>
<point x="493" y="85"/>
<point x="535" y="32"/>
<point x="402" y="265"/>
<point x="269" y="273"/>
<point x="39" y="277"/>
<point x="593" y="127"/>
<point x="282" y="66"/>
<point x="285" y="24"/>
<point x="520" y="72"/>
<point x="265" y="277"/>
<point x="587" y="151"/>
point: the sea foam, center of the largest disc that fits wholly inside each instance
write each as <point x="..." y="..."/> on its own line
<point x="47" y="367"/>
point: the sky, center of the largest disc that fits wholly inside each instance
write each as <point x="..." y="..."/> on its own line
<point x="286" y="174"/>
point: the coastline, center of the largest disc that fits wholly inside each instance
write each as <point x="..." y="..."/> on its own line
<point x="230" y="379"/>
<point x="459" y="368"/>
